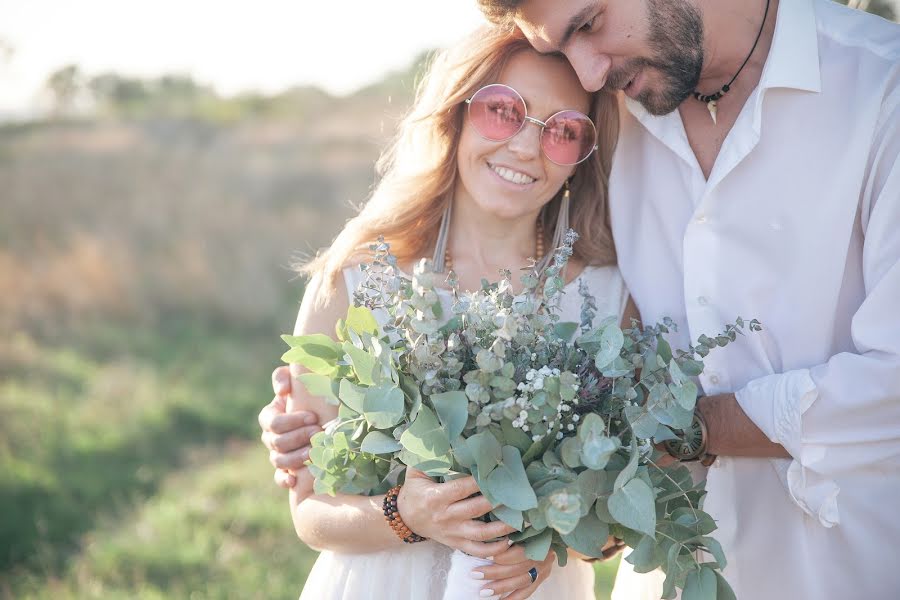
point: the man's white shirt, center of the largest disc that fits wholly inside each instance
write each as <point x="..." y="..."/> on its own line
<point x="798" y="226"/>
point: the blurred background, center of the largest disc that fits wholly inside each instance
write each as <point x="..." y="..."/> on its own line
<point x="161" y="166"/>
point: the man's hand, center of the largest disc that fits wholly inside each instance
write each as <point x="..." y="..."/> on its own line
<point x="285" y="434"/>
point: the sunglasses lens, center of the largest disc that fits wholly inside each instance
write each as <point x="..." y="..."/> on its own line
<point x="497" y="112"/>
<point x="569" y="137"/>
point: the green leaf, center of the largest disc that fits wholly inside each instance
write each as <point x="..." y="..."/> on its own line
<point x="588" y="537"/>
<point x="633" y="506"/>
<point x="487" y="452"/>
<point x="685" y="394"/>
<point x="700" y="585"/>
<point x="322" y="386"/>
<point x="352" y="395"/>
<point x="377" y="442"/>
<point x="361" y="320"/>
<point x="643" y="424"/>
<point x="563" y="510"/>
<point x="565" y="331"/>
<point x="646" y="556"/>
<point x="663" y="348"/>
<point x="425" y="437"/>
<point x="617" y="368"/>
<point x="596" y="447"/>
<point x="383" y="405"/>
<point x="723" y="589"/>
<point x="317" y="352"/>
<point x="433" y="467"/>
<point x="515" y="436"/>
<point x="364" y="364"/>
<point x="611" y="343"/>
<point x="510" y="516"/>
<point x="677" y="374"/>
<point x="452" y="409"/>
<point x="715" y="548"/>
<point x="631" y="468"/>
<point x="570" y="452"/>
<point x="691" y="368"/>
<point x="508" y="482"/>
<point x="537" y="547"/>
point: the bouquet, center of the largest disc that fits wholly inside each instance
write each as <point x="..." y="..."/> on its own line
<point x="556" y="421"/>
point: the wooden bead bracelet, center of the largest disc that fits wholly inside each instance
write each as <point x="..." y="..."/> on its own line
<point x="392" y="515"/>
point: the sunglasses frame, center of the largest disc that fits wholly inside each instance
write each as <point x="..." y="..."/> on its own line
<point x="528" y="119"/>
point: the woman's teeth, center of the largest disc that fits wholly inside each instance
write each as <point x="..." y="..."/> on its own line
<point x="512" y="176"/>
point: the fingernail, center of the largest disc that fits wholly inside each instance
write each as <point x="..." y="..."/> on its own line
<point x="509" y="542"/>
<point x="477" y="575"/>
<point x="486" y="593"/>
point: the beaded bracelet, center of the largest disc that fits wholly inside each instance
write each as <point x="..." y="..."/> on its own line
<point x="392" y="515"/>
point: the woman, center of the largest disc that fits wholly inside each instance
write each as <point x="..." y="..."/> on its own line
<point x="479" y="180"/>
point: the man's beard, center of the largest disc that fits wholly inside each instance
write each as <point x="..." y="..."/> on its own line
<point x="676" y="39"/>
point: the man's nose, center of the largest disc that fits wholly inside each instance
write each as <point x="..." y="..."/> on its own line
<point x="592" y="68"/>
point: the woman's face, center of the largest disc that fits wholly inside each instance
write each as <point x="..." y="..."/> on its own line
<point x="513" y="179"/>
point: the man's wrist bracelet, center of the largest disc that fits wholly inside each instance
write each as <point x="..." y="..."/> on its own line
<point x="392" y="515"/>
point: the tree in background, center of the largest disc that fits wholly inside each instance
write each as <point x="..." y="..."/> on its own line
<point x="64" y="86"/>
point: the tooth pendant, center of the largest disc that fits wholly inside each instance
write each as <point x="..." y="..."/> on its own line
<point x="713" y="107"/>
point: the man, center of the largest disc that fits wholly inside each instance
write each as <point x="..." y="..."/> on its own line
<point x="757" y="175"/>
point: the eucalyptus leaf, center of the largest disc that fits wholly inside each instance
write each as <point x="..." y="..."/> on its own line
<point x="633" y="505"/>
<point x="700" y="585"/>
<point x="352" y="395"/>
<point x="425" y="437"/>
<point x="512" y="517"/>
<point x="322" y="386"/>
<point x="452" y="409"/>
<point x="563" y="510"/>
<point x="646" y="556"/>
<point x="508" y="482"/>
<point x="364" y="364"/>
<point x="486" y="451"/>
<point x="588" y="537"/>
<point x="643" y="424"/>
<point x="723" y="589"/>
<point x="611" y="343"/>
<point x="570" y="452"/>
<point x="715" y="548"/>
<point x="377" y="442"/>
<point x="361" y="320"/>
<point x="383" y="405"/>
<point x="631" y="468"/>
<point x="565" y="331"/>
<point x="685" y="394"/>
<point x="537" y="547"/>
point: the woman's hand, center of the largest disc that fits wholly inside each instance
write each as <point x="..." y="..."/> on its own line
<point x="509" y="574"/>
<point x="285" y="434"/>
<point x="446" y="513"/>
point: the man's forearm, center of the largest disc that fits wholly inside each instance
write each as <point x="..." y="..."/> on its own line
<point x="732" y="433"/>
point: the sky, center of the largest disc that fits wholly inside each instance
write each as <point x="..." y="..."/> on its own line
<point x="234" y="45"/>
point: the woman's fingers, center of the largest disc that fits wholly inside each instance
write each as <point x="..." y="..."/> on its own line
<point x="292" y="440"/>
<point x="470" y="508"/>
<point x="521" y="593"/>
<point x="284" y="479"/>
<point x="479" y="549"/>
<point x="481" y="532"/>
<point x="281" y="380"/>
<point x="458" y="489"/>
<point x="286" y="422"/>
<point x="290" y="460"/>
<point x="512" y="555"/>
<point x="499" y="572"/>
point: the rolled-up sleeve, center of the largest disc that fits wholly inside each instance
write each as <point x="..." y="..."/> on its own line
<point x="845" y="414"/>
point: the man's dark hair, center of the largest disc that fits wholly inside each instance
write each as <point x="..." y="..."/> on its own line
<point x="499" y="12"/>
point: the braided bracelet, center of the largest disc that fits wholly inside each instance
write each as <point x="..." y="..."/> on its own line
<point x="392" y="515"/>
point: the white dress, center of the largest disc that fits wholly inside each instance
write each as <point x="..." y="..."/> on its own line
<point x="419" y="571"/>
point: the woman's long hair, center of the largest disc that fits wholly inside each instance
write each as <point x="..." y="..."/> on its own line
<point x="419" y="169"/>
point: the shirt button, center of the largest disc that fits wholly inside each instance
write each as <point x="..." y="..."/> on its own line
<point x="701" y="219"/>
<point x="714" y="379"/>
<point x="702" y="301"/>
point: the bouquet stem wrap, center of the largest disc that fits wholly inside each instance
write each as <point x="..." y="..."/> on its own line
<point x="460" y="584"/>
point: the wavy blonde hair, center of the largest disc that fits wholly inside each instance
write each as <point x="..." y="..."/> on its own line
<point x="419" y="169"/>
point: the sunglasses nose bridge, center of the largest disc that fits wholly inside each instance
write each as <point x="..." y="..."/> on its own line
<point x="537" y="122"/>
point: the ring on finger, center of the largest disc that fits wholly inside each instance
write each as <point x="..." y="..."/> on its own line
<point x="533" y="573"/>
